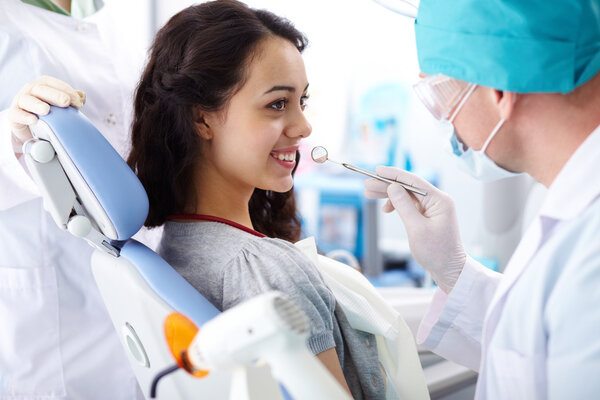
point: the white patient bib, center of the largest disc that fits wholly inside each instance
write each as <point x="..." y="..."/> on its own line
<point x="367" y="311"/>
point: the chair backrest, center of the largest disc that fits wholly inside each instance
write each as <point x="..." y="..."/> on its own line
<point x="91" y="192"/>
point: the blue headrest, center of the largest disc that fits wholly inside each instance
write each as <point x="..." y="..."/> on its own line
<point x="116" y="188"/>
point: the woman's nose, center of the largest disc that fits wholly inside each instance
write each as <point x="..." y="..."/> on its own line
<point x="300" y="127"/>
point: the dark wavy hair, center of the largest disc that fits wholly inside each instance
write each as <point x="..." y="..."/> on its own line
<point x="197" y="63"/>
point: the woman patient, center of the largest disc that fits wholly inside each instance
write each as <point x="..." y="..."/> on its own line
<point x="218" y="121"/>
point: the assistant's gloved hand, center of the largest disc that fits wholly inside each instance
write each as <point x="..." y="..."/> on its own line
<point x="35" y="98"/>
<point x="430" y="223"/>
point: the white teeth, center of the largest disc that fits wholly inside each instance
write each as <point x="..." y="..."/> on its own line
<point x="286" y="156"/>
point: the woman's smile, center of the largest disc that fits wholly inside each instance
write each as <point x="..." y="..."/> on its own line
<point x="285" y="157"/>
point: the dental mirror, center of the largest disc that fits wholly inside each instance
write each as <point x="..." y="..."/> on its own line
<point x="319" y="155"/>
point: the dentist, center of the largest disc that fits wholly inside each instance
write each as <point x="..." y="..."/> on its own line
<point x="519" y="83"/>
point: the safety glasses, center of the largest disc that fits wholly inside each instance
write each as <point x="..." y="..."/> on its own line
<point x="443" y="96"/>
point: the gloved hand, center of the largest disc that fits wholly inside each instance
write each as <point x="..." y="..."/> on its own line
<point x="35" y="98"/>
<point x="430" y="223"/>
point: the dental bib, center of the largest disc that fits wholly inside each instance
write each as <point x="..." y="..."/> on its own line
<point x="367" y="311"/>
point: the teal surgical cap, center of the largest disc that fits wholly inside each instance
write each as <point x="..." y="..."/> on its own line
<point x="523" y="46"/>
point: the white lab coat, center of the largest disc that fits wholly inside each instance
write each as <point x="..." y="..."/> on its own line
<point x="56" y="338"/>
<point x="535" y="332"/>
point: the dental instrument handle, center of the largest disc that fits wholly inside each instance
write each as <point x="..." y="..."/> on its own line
<point x="390" y="181"/>
<point x="333" y="161"/>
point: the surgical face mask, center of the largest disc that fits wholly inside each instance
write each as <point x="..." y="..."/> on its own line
<point x="443" y="95"/>
<point x="476" y="162"/>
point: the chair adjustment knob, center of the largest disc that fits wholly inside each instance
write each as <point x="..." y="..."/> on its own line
<point x="79" y="226"/>
<point x="42" y="151"/>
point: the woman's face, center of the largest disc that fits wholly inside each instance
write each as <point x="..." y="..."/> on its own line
<point x="253" y="141"/>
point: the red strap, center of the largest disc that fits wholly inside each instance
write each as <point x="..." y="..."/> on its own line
<point x="202" y="217"/>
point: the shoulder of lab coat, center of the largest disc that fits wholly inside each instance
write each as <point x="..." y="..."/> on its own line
<point x="452" y="327"/>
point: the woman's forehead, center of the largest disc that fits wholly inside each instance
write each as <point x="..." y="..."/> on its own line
<point x="276" y="62"/>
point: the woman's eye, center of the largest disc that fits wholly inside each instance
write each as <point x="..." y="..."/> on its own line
<point x="304" y="101"/>
<point x="279" y="105"/>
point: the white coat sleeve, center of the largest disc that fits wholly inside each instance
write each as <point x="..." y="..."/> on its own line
<point x="452" y="327"/>
<point x="572" y="320"/>
<point x="17" y="186"/>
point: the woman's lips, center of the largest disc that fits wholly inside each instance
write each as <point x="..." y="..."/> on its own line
<point x="285" y="157"/>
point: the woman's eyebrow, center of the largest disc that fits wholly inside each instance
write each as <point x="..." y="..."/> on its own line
<point x="286" y="88"/>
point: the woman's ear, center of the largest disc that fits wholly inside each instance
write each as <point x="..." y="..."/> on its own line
<point x="505" y="102"/>
<point x="202" y="127"/>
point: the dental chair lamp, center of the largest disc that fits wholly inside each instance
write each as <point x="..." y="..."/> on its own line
<point x="90" y="191"/>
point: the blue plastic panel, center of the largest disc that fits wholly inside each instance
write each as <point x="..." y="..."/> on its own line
<point x="168" y="284"/>
<point x="114" y="184"/>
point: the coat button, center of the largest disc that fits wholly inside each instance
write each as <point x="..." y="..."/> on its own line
<point x="83" y="27"/>
<point x="110" y="119"/>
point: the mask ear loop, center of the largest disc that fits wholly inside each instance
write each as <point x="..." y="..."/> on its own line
<point x="462" y="102"/>
<point x="489" y="139"/>
<point x="496" y="129"/>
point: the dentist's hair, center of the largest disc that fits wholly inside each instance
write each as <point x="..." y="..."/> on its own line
<point x="197" y="63"/>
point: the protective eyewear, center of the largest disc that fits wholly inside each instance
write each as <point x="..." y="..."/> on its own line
<point x="443" y="96"/>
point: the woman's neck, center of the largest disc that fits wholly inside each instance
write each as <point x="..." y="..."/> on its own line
<point x="230" y="213"/>
<point x="218" y="197"/>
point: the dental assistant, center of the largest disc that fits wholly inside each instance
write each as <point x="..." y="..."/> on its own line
<point x="56" y="338"/>
<point x="519" y="83"/>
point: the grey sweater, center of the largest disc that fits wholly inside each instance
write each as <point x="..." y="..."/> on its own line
<point x="228" y="266"/>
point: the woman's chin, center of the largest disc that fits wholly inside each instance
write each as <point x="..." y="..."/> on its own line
<point x="282" y="186"/>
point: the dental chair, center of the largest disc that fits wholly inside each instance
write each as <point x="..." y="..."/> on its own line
<point x="91" y="192"/>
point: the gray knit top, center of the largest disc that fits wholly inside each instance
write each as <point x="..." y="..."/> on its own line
<point x="229" y="265"/>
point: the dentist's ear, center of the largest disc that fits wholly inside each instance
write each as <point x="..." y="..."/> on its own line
<point x="506" y="103"/>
